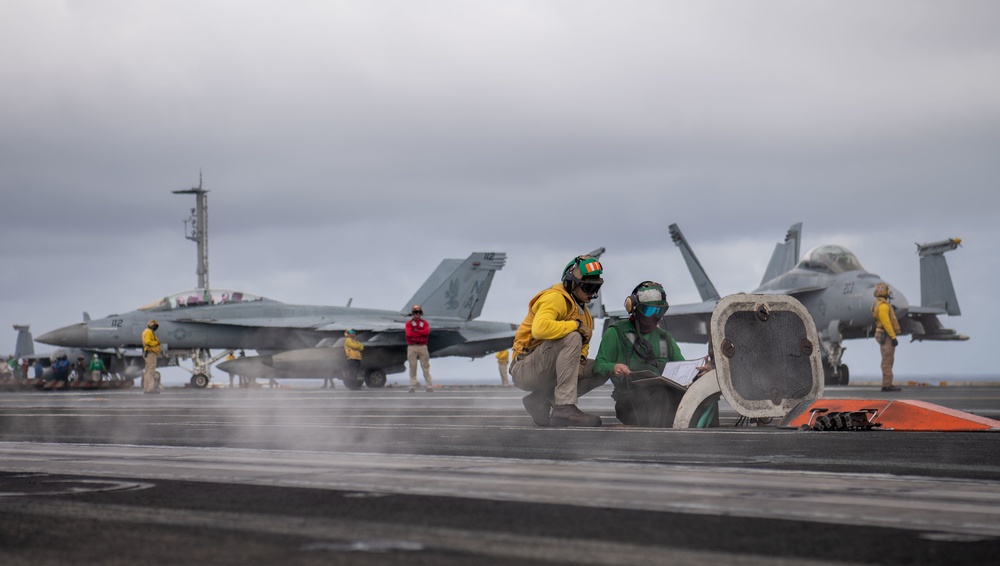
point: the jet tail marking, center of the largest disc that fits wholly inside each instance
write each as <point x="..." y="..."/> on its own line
<point x="701" y="280"/>
<point x="786" y="254"/>
<point x="936" y="288"/>
<point x="457" y="289"/>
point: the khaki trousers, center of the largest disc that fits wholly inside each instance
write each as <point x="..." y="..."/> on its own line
<point x="503" y="373"/>
<point x="416" y="352"/>
<point x="554" y="365"/>
<point x="888" y="358"/>
<point x="149" y="374"/>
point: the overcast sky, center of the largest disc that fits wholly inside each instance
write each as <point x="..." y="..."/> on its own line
<point x="349" y="146"/>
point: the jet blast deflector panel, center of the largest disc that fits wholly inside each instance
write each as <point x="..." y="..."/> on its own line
<point x="767" y="354"/>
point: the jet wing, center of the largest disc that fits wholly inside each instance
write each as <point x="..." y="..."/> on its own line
<point x="311" y="323"/>
<point x="916" y="309"/>
<point x="360" y="324"/>
<point x="689" y="323"/>
<point x="303" y="322"/>
<point x="486" y="337"/>
<point x="324" y="324"/>
<point x="926" y="326"/>
<point x="793" y="290"/>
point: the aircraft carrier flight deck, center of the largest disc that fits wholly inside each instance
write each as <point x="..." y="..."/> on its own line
<point x="462" y="476"/>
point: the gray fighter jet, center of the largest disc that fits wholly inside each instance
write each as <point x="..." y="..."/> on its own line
<point x="836" y="290"/>
<point x="302" y="341"/>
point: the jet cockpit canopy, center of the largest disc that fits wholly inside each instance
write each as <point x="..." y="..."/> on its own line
<point x="831" y="259"/>
<point x="201" y="297"/>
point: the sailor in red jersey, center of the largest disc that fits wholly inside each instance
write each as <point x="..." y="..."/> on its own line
<point x="417" y="331"/>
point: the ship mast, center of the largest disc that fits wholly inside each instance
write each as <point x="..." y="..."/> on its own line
<point x="196" y="229"/>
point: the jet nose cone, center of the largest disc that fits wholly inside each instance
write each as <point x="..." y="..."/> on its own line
<point x="73" y="336"/>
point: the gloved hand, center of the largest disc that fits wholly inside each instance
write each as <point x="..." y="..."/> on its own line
<point x="895" y="342"/>
<point x="584" y="330"/>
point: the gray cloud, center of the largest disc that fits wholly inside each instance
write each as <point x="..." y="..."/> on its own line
<point x="345" y="142"/>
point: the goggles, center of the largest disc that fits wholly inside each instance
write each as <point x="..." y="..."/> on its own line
<point x="590" y="288"/>
<point x="652" y="311"/>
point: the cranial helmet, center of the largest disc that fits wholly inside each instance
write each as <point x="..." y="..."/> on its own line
<point x="882" y="290"/>
<point x="417" y="309"/>
<point x="153" y="324"/>
<point x="648" y="299"/>
<point x="350" y="332"/>
<point x="583" y="271"/>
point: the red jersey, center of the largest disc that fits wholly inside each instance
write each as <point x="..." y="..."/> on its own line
<point x="417" y="332"/>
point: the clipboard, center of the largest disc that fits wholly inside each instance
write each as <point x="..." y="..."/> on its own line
<point x="646" y="378"/>
<point x="678" y="375"/>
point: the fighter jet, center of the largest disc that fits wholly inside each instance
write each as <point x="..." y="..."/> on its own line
<point x="303" y="341"/>
<point x="836" y="290"/>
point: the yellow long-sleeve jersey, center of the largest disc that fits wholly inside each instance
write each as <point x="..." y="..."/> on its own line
<point x="552" y="314"/>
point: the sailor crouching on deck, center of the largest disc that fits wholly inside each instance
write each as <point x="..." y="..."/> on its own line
<point x="550" y="348"/>
<point x="638" y="344"/>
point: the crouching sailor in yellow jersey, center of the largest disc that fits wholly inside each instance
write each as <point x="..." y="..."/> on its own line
<point x="551" y="345"/>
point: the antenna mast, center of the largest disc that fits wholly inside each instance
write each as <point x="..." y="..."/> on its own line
<point x="196" y="229"/>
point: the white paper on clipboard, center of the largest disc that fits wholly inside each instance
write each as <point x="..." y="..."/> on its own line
<point x="683" y="373"/>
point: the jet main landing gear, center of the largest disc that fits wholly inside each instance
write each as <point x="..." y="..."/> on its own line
<point x="375" y="379"/>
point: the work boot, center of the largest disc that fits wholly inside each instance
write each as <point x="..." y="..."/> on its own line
<point x="538" y="404"/>
<point x="570" y="415"/>
<point x="891" y="388"/>
<point x="413" y="389"/>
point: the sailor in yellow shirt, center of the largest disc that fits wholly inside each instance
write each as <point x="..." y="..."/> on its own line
<point x="886" y="331"/>
<point x="352" y="349"/>
<point x="150" y="351"/>
<point x="503" y="357"/>
<point x="550" y="347"/>
<point x="230" y="357"/>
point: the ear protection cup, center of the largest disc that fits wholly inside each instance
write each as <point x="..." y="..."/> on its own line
<point x="567" y="276"/>
<point x="632" y="300"/>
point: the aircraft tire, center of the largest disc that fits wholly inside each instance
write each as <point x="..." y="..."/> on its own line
<point x="845" y="375"/>
<point x="352" y="383"/>
<point x="829" y="378"/>
<point x="199" y="380"/>
<point x="375" y="379"/>
<point x="828" y="375"/>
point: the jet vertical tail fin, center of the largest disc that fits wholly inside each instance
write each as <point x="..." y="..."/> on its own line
<point x="457" y="289"/>
<point x="25" y="345"/>
<point x="701" y="280"/>
<point x="936" y="288"/>
<point x="786" y="254"/>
